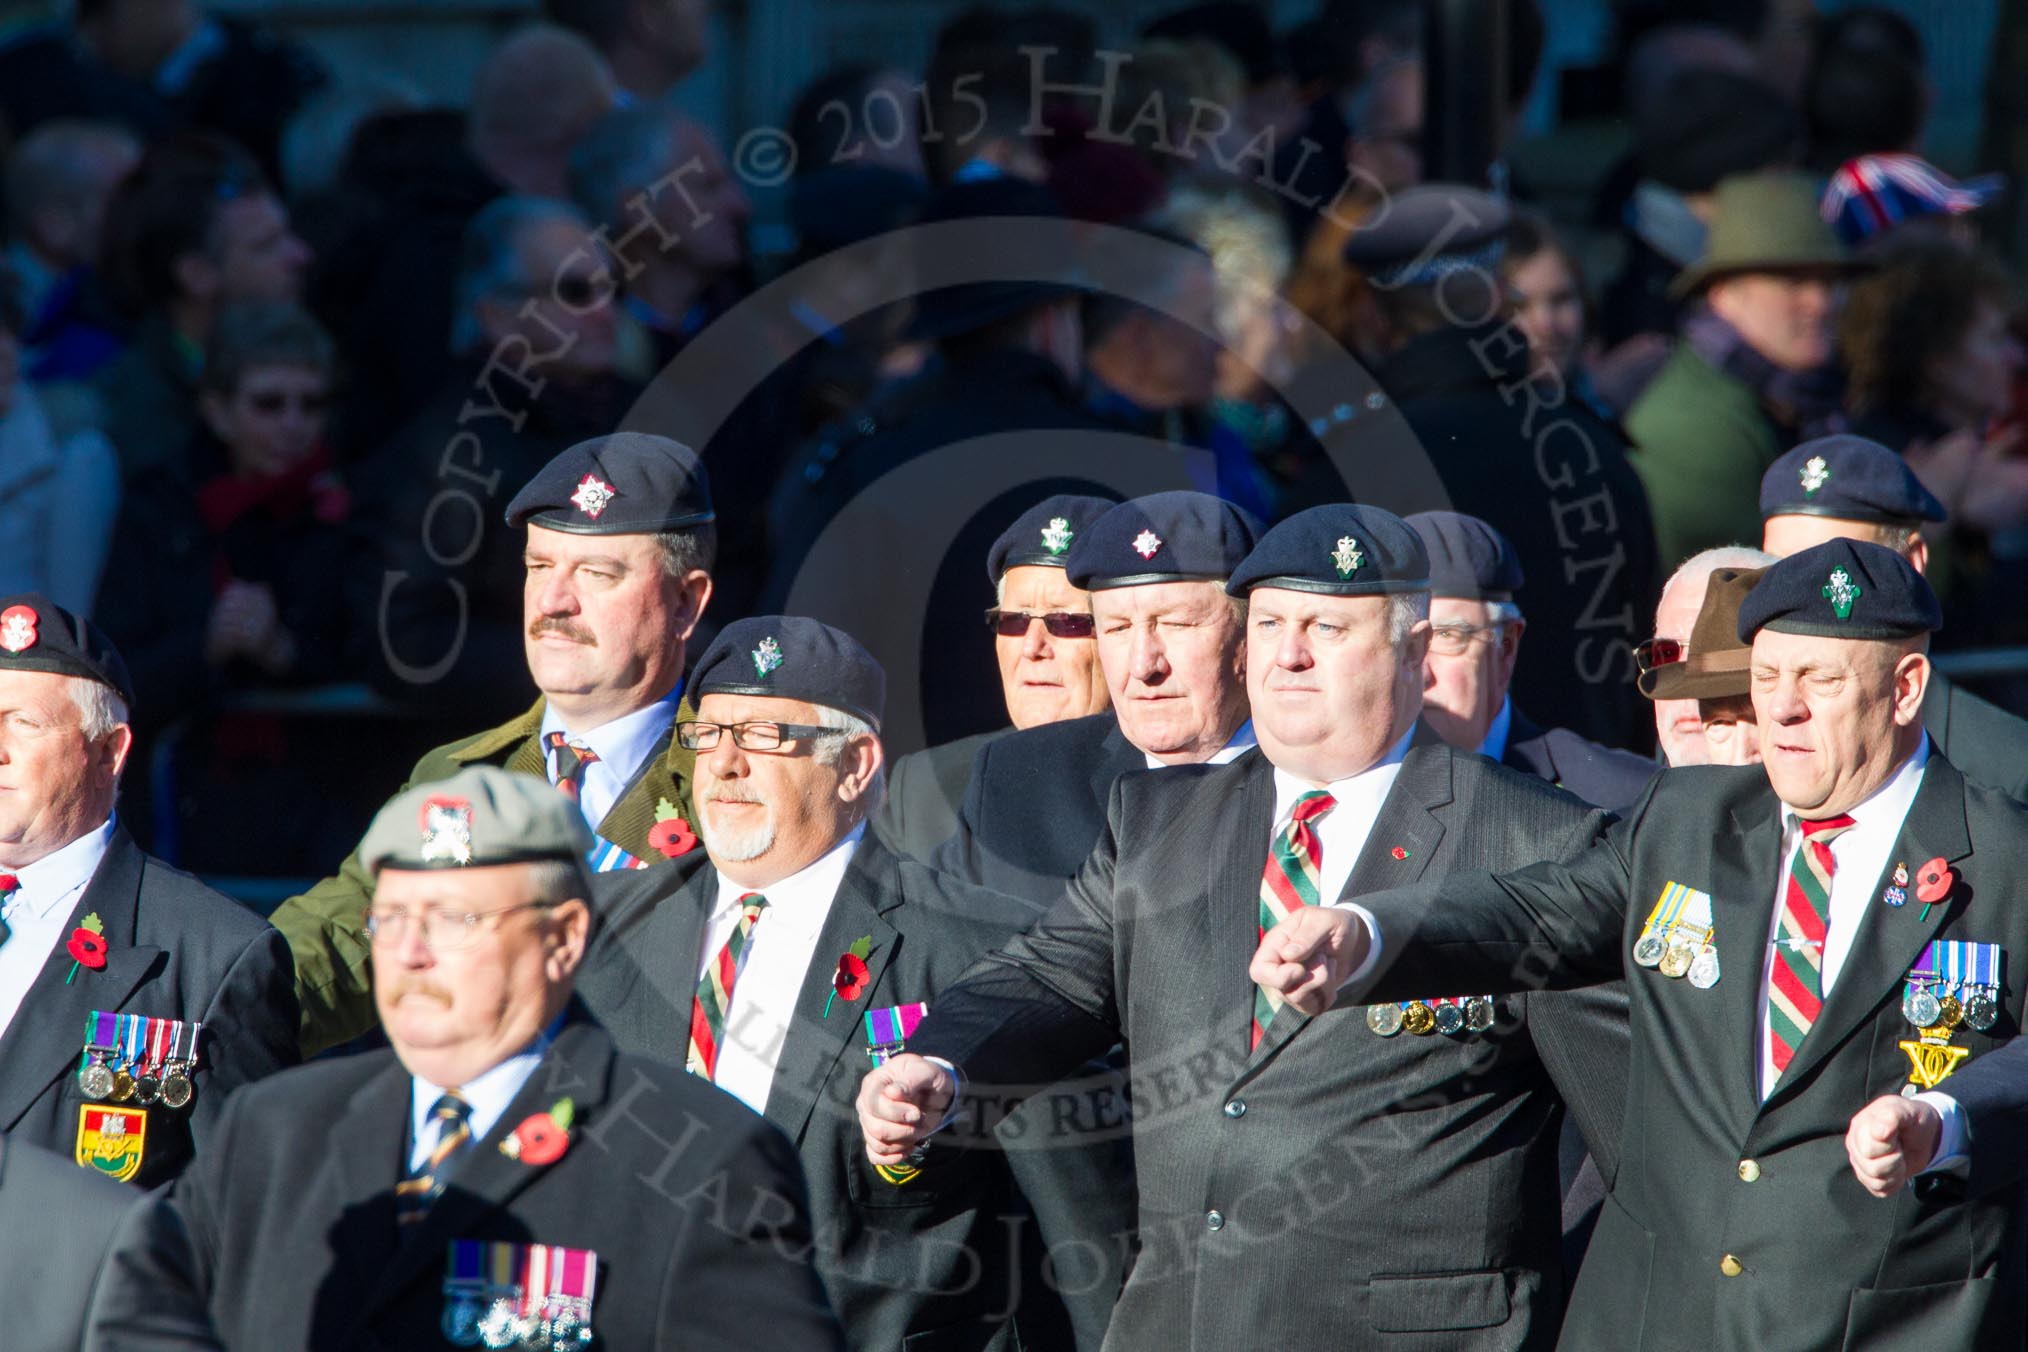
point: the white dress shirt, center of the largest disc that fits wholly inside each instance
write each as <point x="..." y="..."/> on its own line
<point x="778" y="959"/>
<point x="1241" y="742"/>
<point x="1342" y="831"/>
<point x="622" y="746"/>
<point x="38" y="912"/>
<point x="1495" y="744"/>
<point x="489" y="1094"/>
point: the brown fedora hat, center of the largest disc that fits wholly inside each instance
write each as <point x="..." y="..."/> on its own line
<point x="1717" y="664"/>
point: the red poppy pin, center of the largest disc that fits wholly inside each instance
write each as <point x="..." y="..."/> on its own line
<point x="1933" y="881"/>
<point x="542" y="1137"/>
<point x="852" y="976"/>
<point x="87" y="946"/>
<point x="1399" y="853"/>
<point x="671" y="834"/>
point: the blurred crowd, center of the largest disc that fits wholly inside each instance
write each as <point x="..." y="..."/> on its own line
<point x="278" y="349"/>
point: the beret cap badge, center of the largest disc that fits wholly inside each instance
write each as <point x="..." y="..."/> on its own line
<point x="1146" y="543"/>
<point x="592" y="495"/>
<point x="1841" y="591"/>
<point x="1815" y="474"/>
<point x="767" y="656"/>
<point x="1057" y="535"/>
<point x="1346" y="557"/>
<point x="17" y="628"/>
<point x="447" y="830"/>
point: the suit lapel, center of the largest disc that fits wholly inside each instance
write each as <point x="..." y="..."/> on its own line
<point x="667" y="776"/>
<point x="1889" y="938"/>
<point x="663" y="943"/>
<point x="47" y="1034"/>
<point x="374" y="1132"/>
<point x="1745" y="863"/>
<point x="578" y="1065"/>
<point x="870" y="890"/>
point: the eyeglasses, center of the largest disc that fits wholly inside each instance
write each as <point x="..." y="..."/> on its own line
<point x="1657" y="652"/>
<point x="444" y="929"/>
<point x="272" y="402"/>
<point x="1059" y="623"/>
<point x="1453" y="640"/>
<point x="697" y="735"/>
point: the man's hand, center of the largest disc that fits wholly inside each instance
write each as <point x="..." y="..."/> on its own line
<point x="1890" y="1141"/>
<point x="1307" y="957"/>
<point x="901" y="1101"/>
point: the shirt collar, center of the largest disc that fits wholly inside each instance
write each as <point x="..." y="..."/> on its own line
<point x="1495" y="745"/>
<point x="1238" y="745"/>
<point x="1377" y="776"/>
<point x="802" y="900"/>
<point x="624" y="744"/>
<point x="1888" y="807"/>
<point x="489" y="1092"/>
<point x="54" y="877"/>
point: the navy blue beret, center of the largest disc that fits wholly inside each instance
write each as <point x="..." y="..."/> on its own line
<point x="628" y="483"/>
<point x="1339" y="549"/>
<point x="1841" y="589"/>
<point x="792" y="657"/>
<point x="1849" y="478"/>
<point x="1165" y="537"/>
<point x="1421" y="235"/>
<point x="37" y="634"/>
<point x="1045" y="532"/>
<point x="1467" y="557"/>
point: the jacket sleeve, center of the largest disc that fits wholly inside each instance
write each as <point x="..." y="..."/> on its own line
<point x="250" y="1028"/>
<point x="959" y="856"/>
<point x="1992" y="1090"/>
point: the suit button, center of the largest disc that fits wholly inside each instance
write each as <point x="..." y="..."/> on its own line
<point x="1214" y="1220"/>
<point x="1236" y="1108"/>
<point x="1731" y="1266"/>
<point x="1749" y="1171"/>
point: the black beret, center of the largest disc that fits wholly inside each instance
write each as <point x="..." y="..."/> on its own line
<point x="1339" y="549"/>
<point x="1421" y="235"/>
<point x="1467" y="557"/>
<point x="37" y="634"/>
<point x="792" y="657"/>
<point x="628" y="483"/>
<point x="1177" y="536"/>
<point x="1044" y="533"/>
<point x="1841" y="589"/>
<point x="1849" y="478"/>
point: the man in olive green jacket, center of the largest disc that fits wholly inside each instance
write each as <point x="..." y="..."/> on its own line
<point x="620" y="544"/>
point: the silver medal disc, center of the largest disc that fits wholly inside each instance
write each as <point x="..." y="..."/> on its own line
<point x="497" y="1329"/>
<point x="1479" y="1013"/>
<point x="1982" y="1011"/>
<point x="1648" y="949"/>
<point x="96" y="1080"/>
<point x="1450" y="1019"/>
<point x="461" y="1322"/>
<point x="176" y="1088"/>
<point x="1924" y="1009"/>
<point x="1384" y="1019"/>
<point x="1704" y="968"/>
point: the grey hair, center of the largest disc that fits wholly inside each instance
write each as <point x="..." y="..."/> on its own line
<point x="100" y="708"/>
<point x="828" y="750"/>
<point x="1405" y="610"/>
<point x="691" y="549"/>
<point x="489" y="263"/>
<point x="1503" y="612"/>
<point x="1699" y="567"/>
<point x="551" y="882"/>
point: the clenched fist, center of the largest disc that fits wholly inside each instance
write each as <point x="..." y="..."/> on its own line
<point x="901" y="1101"/>
<point x="1308" y="955"/>
<point x="1890" y="1141"/>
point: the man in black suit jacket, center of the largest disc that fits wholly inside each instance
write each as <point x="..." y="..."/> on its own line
<point x="56" y="1223"/>
<point x="781" y="1011"/>
<point x="351" y="1202"/>
<point x="1475" y="644"/>
<point x="94" y="926"/>
<point x="1049" y="672"/>
<point x="1172" y="648"/>
<point x="1425" y="1160"/>
<point x="1822" y="909"/>
<point x="1847" y="487"/>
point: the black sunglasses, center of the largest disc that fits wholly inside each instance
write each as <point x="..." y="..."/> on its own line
<point x="1650" y="653"/>
<point x="1059" y="623"/>
<point x="274" y="401"/>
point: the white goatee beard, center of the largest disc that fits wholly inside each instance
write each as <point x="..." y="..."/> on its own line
<point x="736" y="847"/>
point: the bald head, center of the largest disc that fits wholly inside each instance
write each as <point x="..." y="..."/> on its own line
<point x="1678" y="727"/>
<point x="538" y="93"/>
<point x="58" y="179"/>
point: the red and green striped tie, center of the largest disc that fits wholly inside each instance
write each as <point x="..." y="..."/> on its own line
<point x="714" y="991"/>
<point x="1288" y="885"/>
<point x="1795" y="989"/>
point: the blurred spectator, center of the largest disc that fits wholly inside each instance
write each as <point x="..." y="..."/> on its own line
<point x="154" y="65"/>
<point x="981" y="87"/>
<point x="59" y="492"/>
<point x="319" y="137"/>
<point x="439" y="575"/>
<point x="193" y="229"/>
<point x="1331" y="57"/>
<point x="1754" y="373"/>
<point x="649" y="44"/>
<point x="647" y="162"/>
<point x="859" y="116"/>
<point x="1872" y="195"/>
<point x="1152" y="368"/>
<point x="1546" y="293"/>
<point x="1240" y="28"/>
<point x="1864" y="101"/>
<point x="59" y="178"/>
<point x="1385" y="118"/>
<point x="236" y="585"/>
<point x="537" y="95"/>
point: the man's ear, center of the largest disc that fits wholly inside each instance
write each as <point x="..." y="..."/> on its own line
<point x="866" y="756"/>
<point x="1911" y="683"/>
<point x="693" y="594"/>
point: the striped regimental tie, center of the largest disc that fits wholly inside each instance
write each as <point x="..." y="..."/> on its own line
<point x="571" y="759"/>
<point x="714" y="990"/>
<point x="414" y="1194"/>
<point x="1795" y="988"/>
<point x="1289" y="884"/>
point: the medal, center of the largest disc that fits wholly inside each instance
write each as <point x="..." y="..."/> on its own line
<point x="94" y="1075"/>
<point x="888" y="1030"/>
<point x="1450" y="1020"/>
<point x="1648" y="949"/>
<point x="1982" y="1011"/>
<point x="1479" y="1013"/>
<point x="496" y="1326"/>
<point x="464" y="1280"/>
<point x="1704" y="968"/>
<point x="1950" y="1012"/>
<point x="1922" y="1008"/>
<point x="1384" y="1019"/>
<point x="175" y="1085"/>
<point x="1418" y="1019"/>
<point x="95" y="1078"/>
<point x="1676" y="962"/>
